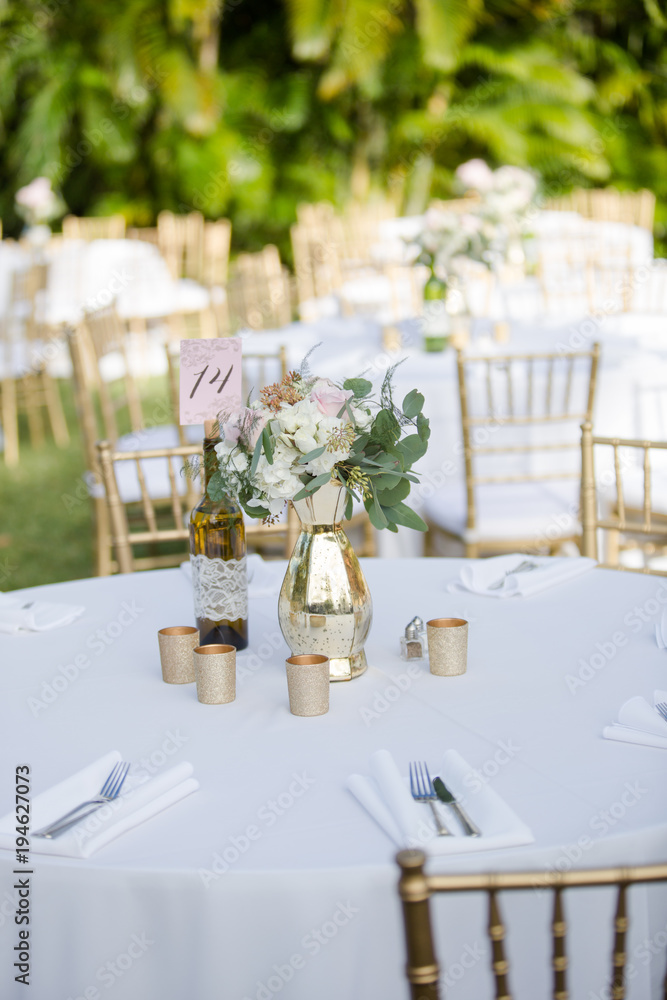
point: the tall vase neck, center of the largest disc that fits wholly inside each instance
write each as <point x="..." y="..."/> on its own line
<point x="325" y="507"/>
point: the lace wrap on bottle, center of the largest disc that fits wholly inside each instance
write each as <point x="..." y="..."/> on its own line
<point x="220" y="588"/>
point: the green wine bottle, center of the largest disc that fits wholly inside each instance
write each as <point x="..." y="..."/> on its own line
<point x="218" y="560"/>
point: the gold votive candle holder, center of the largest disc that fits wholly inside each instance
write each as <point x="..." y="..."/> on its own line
<point x="447" y="646"/>
<point x="215" y="673"/>
<point x="176" y="645"/>
<point x="308" y="684"/>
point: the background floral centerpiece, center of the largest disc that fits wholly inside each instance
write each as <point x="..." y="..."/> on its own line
<point x="306" y="431"/>
<point x="37" y="204"/>
<point x="505" y="199"/>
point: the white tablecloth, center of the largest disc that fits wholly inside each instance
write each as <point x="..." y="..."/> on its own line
<point x="271" y="876"/>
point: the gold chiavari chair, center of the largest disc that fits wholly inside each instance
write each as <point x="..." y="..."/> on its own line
<point x="518" y="413"/>
<point x="416" y="889"/>
<point x="619" y="504"/>
<point x="110" y="406"/>
<point x="316" y="252"/>
<point x="217" y="242"/>
<point x="26" y="385"/>
<point x="259" y="291"/>
<point x="181" y="243"/>
<point x="88" y="228"/>
<point x="159" y="523"/>
<point x="635" y="208"/>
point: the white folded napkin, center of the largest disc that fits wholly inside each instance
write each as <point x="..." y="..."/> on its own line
<point x="639" y="722"/>
<point x="386" y="796"/>
<point x="661" y="631"/>
<point x="142" y="798"/>
<point x="478" y="575"/>
<point x="264" y="578"/>
<point x="23" y="614"/>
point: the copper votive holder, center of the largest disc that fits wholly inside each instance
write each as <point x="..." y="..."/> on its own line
<point x="447" y="646"/>
<point x="176" y="645"/>
<point x="308" y="684"/>
<point x="215" y="673"/>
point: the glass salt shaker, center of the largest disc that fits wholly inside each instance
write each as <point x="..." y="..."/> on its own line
<point x="421" y="631"/>
<point x="412" y="647"/>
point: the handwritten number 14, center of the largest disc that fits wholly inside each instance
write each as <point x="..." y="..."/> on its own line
<point x="213" y="380"/>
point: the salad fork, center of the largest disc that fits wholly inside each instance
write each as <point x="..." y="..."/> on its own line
<point x="110" y="790"/>
<point x="524" y="567"/>
<point x="422" y="790"/>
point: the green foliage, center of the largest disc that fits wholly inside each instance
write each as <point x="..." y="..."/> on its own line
<point x="246" y="108"/>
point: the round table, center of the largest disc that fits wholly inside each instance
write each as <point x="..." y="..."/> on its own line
<point x="271" y="878"/>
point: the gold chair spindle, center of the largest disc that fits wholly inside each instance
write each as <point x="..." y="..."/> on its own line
<point x="499" y="963"/>
<point x="559" y="929"/>
<point x="621" y="922"/>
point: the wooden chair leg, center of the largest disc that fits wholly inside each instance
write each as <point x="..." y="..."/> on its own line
<point x="10" y="423"/>
<point x="55" y="410"/>
<point x="612" y="546"/>
<point x="33" y="411"/>
<point x="102" y="538"/>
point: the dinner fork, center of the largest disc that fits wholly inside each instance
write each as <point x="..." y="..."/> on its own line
<point x="422" y="790"/>
<point x="524" y="567"/>
<point x="661" y="707"/>
<point x="109" y="791"/>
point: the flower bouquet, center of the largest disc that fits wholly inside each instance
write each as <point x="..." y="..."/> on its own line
<point x="37" y="203"/>
<point x="306" y="432"/>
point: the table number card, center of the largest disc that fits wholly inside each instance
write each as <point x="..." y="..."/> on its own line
<point x="210" y="378"/>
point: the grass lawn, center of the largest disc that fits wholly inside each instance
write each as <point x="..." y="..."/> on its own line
<point x="45" y="514"/>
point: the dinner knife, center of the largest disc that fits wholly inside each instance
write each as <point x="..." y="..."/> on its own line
<point x="446" y="796"/>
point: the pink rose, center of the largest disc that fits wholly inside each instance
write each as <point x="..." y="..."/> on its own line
<point x="475" y="174"/>
<point x="36" y="195"/>
<point x="328" y="397"/>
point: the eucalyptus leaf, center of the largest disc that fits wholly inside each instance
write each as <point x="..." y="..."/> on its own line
<point x="256" y="455"/>
<point x="375" y="513"/>
<point x="400" y="513"/>
<point x="394" y="495"/>
<point x="255" y="512"/>
<point x="413" y="404"/>
<point x="267" y="445"/>
<point x="312" y="455"/>
<point x="360" y="387"/>
<point x="318" y="481"/>
<point x="215" y="489"/>
<point x="423" y="427"/>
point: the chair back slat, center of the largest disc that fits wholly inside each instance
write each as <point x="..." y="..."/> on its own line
<point x="499" y="963"/>
<point x="559" y="954"/>
<point x="146" y="499"/>
<point x="621" y="923"/>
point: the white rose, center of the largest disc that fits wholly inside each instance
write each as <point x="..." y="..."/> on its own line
<point x="363" y="417"/>
<point x="304" y="438"/>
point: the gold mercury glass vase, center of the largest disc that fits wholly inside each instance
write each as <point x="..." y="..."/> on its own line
<point x="325" y="605"/>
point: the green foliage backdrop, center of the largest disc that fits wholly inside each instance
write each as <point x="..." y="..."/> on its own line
<point x="245" y="108"/>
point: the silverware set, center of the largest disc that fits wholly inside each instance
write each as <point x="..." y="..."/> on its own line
<point x="109" y="791"/>
<point x="425" y="790"/>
